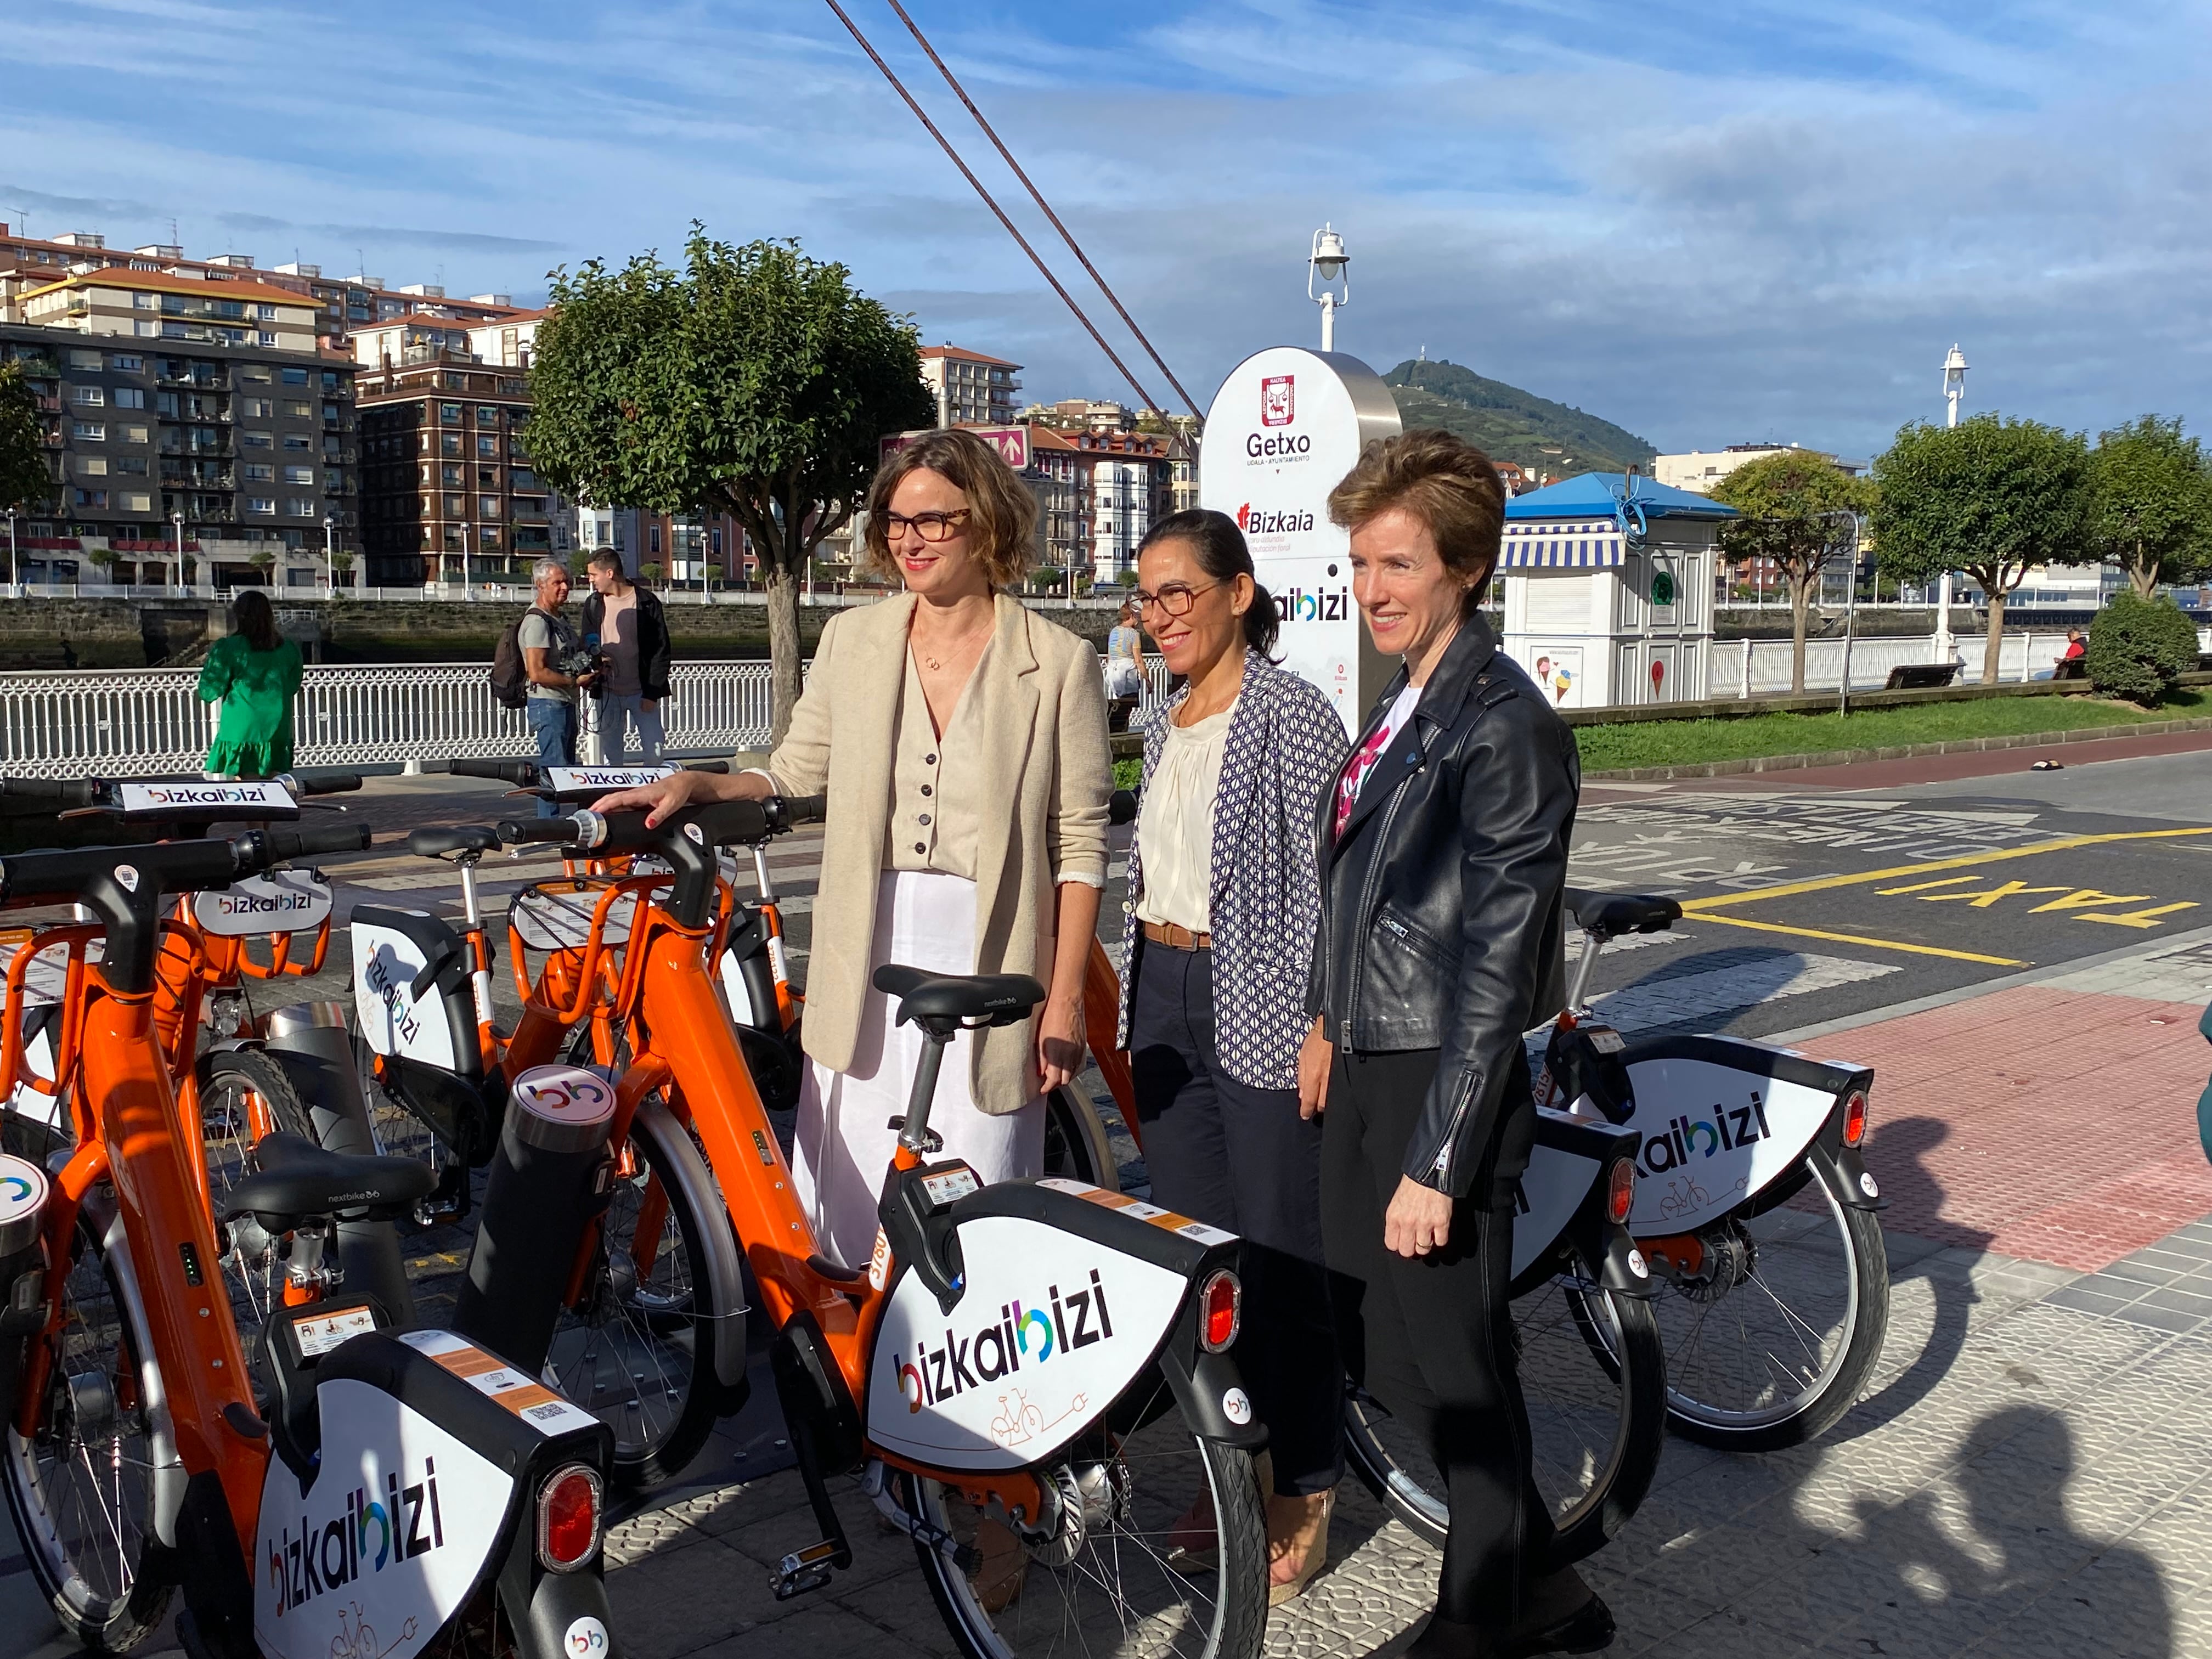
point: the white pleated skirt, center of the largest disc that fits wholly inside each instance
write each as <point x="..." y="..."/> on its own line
<point x="844" y="1143"/>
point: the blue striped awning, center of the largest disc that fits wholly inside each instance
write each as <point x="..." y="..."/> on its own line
<point x="1562" y="544"/>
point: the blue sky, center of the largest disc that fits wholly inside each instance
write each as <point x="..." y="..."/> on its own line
<point x="1711" y="223"/>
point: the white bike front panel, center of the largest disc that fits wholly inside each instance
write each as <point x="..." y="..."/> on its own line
<point x="1552" y="1187"/>
<point x="1713" y="1136"/>
<point x="386" y="1545"/>
<point x="281" y="902"/>
<point x="1051" y="1330"/>
<point x="393" y="1019"/>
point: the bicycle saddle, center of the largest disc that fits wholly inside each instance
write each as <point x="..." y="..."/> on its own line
<point x="1611" y="914"/>
<point x="1003" y="999"/>
<point x="298" y="1178"/>
<point x="467" y="838"/>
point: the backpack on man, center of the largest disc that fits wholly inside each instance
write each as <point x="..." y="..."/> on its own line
<point x="510" y="678"/>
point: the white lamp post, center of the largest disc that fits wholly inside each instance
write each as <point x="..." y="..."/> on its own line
<point x="1955" y="392"/>
<point x="467" y="591"/>
<point x="178" y="520"/>
<point x="329" y="555"/>
<point x="1325" y="265"/>
<point x="14" y="570"/>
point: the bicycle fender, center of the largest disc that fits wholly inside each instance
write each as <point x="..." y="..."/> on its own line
<point x="555" y="1615"/>
<point x="681" y="1165"/>
<point x="1209" y="1388"/>
<point x="1860" y="1190"/>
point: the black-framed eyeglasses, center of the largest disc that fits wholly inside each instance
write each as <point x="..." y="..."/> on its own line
<point x="1175" y="598"/>
<point x="930" y="526"/>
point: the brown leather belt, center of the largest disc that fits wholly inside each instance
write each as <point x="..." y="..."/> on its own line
<point x="1178" y="939"/>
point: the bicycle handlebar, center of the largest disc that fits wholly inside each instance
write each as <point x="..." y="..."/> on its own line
<point x="789" y="811"/>
<point x="685" y="839"/>
<point x="719" y="769"/>
<point x="283" y="845"/>
<point x="323" y="783"/>
<point x="50" y="792"/>
<point x="577" y="829"/>
<point x="522" y="773"/>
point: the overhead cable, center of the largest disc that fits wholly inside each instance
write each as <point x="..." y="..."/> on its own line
<point x="1045" y="207"/>
<point x="944" y="144"/>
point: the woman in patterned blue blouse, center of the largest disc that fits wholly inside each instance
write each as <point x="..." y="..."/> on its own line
<point x="1223" y="902"/>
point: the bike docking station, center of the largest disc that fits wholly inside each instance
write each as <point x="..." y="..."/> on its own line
<point x="23" y="1194"/>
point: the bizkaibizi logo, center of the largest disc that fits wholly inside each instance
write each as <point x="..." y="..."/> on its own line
<point x="1730" y="1128"/>
<point x="377" y="1530"/>
<point x="1035" y="1333"/>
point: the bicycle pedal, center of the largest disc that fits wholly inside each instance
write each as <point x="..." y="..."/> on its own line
<point x="804" y="1570"/>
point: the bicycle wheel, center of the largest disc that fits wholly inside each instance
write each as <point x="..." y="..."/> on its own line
<point x="244" y="1094"/>
<point x="1105" y="1577"/>
<point x="1597" y="1429"/>
<point x="82" y="1487"/>
<point x="1075" y="1143"/>
<point x="1773" y="1322"/>
<point x="635" y="1349"/>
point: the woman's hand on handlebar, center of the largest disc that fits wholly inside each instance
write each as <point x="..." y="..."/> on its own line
<point x="1059" y="1043"/>
<point x="1419" y="1221"/>
<point x="659" y="800"/>
<point x="1315" y="1055"/>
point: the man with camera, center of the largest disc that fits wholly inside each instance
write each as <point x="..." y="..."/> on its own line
<point x="557" y="667"/>
<point x="627" y="626"/>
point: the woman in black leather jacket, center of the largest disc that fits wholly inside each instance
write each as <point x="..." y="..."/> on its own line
<point x="1443" y="853"/>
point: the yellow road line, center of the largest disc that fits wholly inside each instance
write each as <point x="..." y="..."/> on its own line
<point x="1859" y="939"/>
<point x="1704" y="907"/>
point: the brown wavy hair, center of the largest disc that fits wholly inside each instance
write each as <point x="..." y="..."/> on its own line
<point x="1002" y="514"/>
<point x="1446" y="483"/>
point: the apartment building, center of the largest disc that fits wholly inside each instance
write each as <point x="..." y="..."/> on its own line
<point x="227" y="427"/>
<point x="971" y="389"/>
<point x="1097" y="493"/>
<point x="447" y="492"/>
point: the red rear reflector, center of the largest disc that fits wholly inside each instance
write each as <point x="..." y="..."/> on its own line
<point x="1223" y="1306"/>
<point x="1620" y="1191"/>
<point x="1855" y="1114"/>
<point x="568" y="1518"/>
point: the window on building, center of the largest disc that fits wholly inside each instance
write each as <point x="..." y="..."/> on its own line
<point x="91" y="466"/>
<point x="298" y="411"/>
<point x="292" y="376"/>
<point x="257" y="440"/>
<point x="135" y="465"/>
<point x="91" y="498"/>
<point x="267" y="338"/>
<point x="253" y="374"/>
<point x="453" y="507"/>
<point x="174" y="332"/>
<point x="449" y="443"/>
<point x="260" y="473"/>
<point x="130" y="397"/>
<point x="265" y="504"/>
<point x="487" y="447"/>
<point x="258" y="409"/>
<point x="143" y="302"/>
<point x="300" y="508"/>
<point x="487" y="415"/>
<point x="267" y="314"/>
<point x="138" y="502"/>
<point x="165" y="402"/>
<point x="89" y="432"/>
<point x="330" y="414"/>
<point x="299" y="475"/>
<point x="487" y="506"/>
<point x="90" y="396"/>
<point x="129" y="365"/>
<point x="449" y="413"/>
<point x="298" y="441"/>
<point x="652" y="537"/>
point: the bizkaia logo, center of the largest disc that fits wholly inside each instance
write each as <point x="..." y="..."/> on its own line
<point x="1032" y="1333"/>
<point x="370" y="1536"/>
<point x="1288" y="521"/>
<point x="1730" y="1128"/>
<point x="1278" y="403"/>
<point x="1296" y="604"/>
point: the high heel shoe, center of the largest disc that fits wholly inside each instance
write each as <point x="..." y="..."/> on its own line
<point x="1315" y="1557"/>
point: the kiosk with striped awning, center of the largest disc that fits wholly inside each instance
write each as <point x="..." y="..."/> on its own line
<point x="1600" y="615"/>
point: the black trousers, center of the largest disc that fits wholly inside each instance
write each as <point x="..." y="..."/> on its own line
<point x="1243" y="1160"/>
<point x="1431" y="1337"/>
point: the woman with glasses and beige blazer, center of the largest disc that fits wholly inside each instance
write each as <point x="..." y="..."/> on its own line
<point x="961" y="739"/>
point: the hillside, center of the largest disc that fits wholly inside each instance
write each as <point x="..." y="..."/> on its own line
<point x="1510" y="424"/>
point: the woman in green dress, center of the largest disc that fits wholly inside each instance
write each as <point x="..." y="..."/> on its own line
<point x="254" y="674"/>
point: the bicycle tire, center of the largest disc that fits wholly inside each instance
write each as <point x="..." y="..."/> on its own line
<point x="1121" y="1587"/>
<point x="113" y="1608"/>
<point x="267" y="1101"/>
<point x="1075" y="1143"/>
<point x="1780" y="1262"/>
<point x="627" y="1329"/>
<point x="1606" y="1420"/>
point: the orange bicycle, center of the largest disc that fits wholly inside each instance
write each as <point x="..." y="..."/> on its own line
<point x="1033" y="1372"/>
<point x="343" y="1483"/>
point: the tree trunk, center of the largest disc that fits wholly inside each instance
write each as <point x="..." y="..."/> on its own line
<point x="1800" y="594"/>
<point x="1995" y="646"/>
<point x="785" y="681"/>
<point x="2143" y="573"/>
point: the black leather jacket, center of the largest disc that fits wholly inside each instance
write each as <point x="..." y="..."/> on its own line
<point x="652" y="652"/>
<point x="1444" y="901"/>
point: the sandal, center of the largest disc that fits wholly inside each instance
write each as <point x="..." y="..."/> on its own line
<point x="1315" y="1557"/>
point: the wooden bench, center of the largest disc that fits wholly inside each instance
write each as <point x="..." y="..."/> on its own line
<point x="1921" y="676"/>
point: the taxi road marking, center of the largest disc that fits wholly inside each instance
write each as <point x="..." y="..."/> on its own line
<point x="2075" y="900"/>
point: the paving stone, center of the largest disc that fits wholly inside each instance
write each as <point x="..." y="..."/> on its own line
<point x="681" y="1600"/>
<point x="816" y="1633"/>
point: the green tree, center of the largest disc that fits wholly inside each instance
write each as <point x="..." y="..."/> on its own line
<point x="1798" y="510"/>
<point x="755" y="381"/>
<point x="2150" y="503"/>
<point x="2139" y="648"/>
<point x="1989" y="497"/>
<point x="24" y="480"/>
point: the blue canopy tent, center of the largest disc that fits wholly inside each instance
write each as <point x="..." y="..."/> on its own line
<point x="1608" y="588"/>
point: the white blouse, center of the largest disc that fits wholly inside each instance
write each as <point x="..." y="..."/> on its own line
<point x="1175" y="825"/>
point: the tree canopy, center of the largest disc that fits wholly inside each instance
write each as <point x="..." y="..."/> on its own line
<point x="1989" y="497"/>
<point x="1796" y="506"/>
<point x="24" y="480"/>
<point x="2150" y="503"/>
<point x="755" y="381"/>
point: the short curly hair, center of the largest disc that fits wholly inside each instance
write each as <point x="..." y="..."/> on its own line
<point x="1002" y="512"/>
<point x="1446" y="483"/>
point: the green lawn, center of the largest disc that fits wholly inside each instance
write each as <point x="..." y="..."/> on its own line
<point x="1676" y="743"/>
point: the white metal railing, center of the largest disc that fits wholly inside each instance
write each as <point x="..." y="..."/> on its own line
<point x="1762" y="667"/>
<point x="126" y="722"/>
<point x="514" y="593"/>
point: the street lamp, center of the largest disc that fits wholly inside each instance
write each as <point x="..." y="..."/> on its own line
<point x="329" y="555"/>
<point x="466" y="590"/>
<point x="178" y="520"/>
<point x="1955" y="392"/>
<point x="13" y="569"/>
<point x="1326" y="265"/>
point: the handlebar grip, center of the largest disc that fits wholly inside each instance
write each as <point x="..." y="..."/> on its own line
<point x="520" y="773"/>
<point x="562" y="832"/>
<point x="285" y="844"/>
<point x="788" y="811"/>
<point x="59" y="792"/>
<point x="327" y="783"/>
<point x="720" y="769"/>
